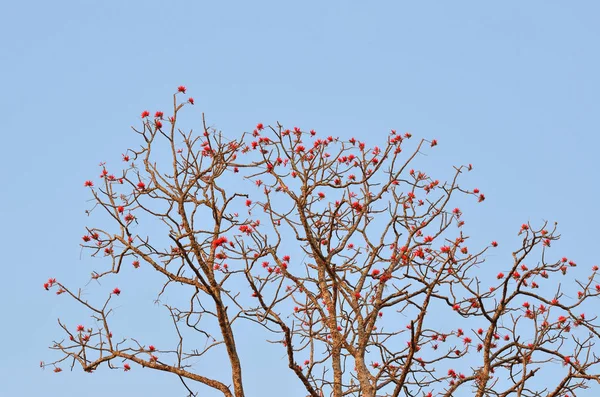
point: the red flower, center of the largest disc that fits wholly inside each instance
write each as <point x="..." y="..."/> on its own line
<point x="246" y="229"/>
<point x="158" y="124"/>
<point x="434" y="143"/>
<point x="248" y="203"/>
<point x="375" y="272"/>
<point x="151" y="348"/>
<point x="116" y="291"/>
<point x="181" y="88"/>
<point x="356" y="206"/>
<point x="500" y="276"/>
<point x="191" y="100"/>
<point x="260" y="126"/>
<point x="141" y="185"/>
<point x="126" y="367"/>
<point x="80" y="328"/>
<point x="136" y="264"/>
<point x="86" y="238"/>
<point x="158" y="114"/>
<point x="120" y="209"/>
<point x="219" y="241"/>
<point x="321" y="195"/>
<point x="145" y="114"/>
<point x="88" y="184"/>
<point x="57" y="369"/>
<point x="494" y="244"/>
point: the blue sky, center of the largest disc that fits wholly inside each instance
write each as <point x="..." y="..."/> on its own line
<point x="512" y="87"/>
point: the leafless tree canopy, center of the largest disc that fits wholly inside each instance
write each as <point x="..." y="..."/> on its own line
<point x="355" y="264"/>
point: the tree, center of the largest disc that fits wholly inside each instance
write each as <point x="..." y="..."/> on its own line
<point x="351" y="257"/>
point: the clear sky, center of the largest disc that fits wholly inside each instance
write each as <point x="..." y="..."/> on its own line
<point x="512" y="87"/>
